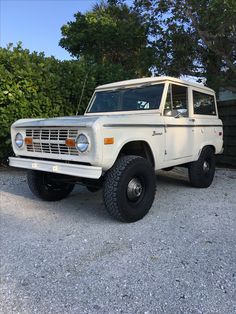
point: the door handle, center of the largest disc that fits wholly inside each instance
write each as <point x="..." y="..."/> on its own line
<point x="192" y="120"/>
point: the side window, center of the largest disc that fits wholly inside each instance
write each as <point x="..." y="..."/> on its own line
<point x="203" y="104"/>
<point x="176" y="101"/>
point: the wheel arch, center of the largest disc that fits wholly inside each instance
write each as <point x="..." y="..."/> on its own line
<point x="205" y="146"/>
<point x="138" y="148"/>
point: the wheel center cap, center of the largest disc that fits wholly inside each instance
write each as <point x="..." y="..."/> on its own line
<point x="134" y="189"/>
<point x="206" y="166"/>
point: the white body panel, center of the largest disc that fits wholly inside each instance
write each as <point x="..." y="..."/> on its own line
<point x="172" y="141"/>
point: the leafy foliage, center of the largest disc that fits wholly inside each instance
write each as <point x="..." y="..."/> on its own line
<point x="193" y="37"/>
<point x="34" y="86"/>
<point x="111" y="33"/>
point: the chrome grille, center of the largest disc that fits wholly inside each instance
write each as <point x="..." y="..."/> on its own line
<point x="51" y="141"/>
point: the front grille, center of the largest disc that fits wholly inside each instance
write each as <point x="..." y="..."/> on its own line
<point x="51" y="141"/>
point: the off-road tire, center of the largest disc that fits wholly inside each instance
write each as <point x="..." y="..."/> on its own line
<point x="116" y="184"/>
<point x="197" y="176"/>
<point x="40" y="185"/>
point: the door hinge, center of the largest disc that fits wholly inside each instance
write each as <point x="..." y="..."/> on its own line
<point x="165" y="152"/>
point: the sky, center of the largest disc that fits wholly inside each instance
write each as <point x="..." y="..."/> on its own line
<point x="37" y="23"/>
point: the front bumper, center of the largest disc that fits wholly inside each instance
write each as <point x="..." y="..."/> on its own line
<point x="57" y="167"/>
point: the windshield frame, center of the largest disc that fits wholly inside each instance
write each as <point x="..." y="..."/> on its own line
<point x="123" y="88"/>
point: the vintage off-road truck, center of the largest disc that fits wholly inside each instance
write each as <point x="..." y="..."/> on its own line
<point x="130" y="130"/>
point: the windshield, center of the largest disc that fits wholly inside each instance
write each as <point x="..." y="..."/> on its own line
<point x="142" y="98"/>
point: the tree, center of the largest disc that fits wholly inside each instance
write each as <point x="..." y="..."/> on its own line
<point x="111" y="33"/>
<point x="193" y="37"/>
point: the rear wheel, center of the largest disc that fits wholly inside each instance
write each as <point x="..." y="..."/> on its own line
<point x="47" y="186"/>
<point x="202" y="171"/>
<point x="129" y="188"/>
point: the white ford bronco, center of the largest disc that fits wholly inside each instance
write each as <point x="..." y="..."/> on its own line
<point x="130" y="130"/>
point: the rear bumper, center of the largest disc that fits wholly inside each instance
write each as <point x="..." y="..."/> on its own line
<point x="56" y="167"/>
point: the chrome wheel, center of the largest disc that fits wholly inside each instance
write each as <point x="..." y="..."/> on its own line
<point x="134" y="189"/>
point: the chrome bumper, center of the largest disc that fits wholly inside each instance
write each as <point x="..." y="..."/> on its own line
<point x="56" y="167"/>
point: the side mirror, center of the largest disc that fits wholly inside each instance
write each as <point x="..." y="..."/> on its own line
<point x="181" y="113"/>
<point x="167" y="112"/>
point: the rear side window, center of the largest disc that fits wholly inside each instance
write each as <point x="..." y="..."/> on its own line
<point x="177" y="101"/>
<point x="203" y="104"/>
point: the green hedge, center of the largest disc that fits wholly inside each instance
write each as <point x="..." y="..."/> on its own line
<point x="34" y="86"/>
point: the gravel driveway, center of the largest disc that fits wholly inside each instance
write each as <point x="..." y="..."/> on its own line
<point x="72" y="257"/>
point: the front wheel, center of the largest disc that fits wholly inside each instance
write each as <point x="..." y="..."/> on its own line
<point x="129" y="188"/>
<point x="202" y="171"/>
<point x="47" y="186"/>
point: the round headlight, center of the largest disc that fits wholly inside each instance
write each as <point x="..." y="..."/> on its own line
<point x="19" y="140"/>
<point x="82" y="143"/>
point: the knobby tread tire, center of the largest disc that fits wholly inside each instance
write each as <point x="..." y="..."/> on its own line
<point x="36" y="185"/>
<point x="196" y="175"/>
<point x="112" y="182"/>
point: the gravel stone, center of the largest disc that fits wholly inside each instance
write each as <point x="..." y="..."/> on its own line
<point x="72" y="257"/>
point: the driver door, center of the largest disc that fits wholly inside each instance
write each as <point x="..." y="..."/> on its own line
<point x="179" y="134"/>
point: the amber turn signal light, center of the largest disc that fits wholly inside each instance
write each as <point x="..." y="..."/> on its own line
<point x="28" y="141"/>
<point x="70" y="142"/>
<point x="108" y="140"/>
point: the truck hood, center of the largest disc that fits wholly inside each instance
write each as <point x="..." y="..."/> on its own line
<point x="72" y="121"/>
<point x="88" y="120"/>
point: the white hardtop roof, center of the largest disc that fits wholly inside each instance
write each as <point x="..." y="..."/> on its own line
<point x="150" y="80"/>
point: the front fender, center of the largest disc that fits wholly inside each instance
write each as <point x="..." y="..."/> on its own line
<point x="122" y="137"/>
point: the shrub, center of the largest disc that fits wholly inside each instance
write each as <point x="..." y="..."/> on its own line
<point x="35" y="86"/>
